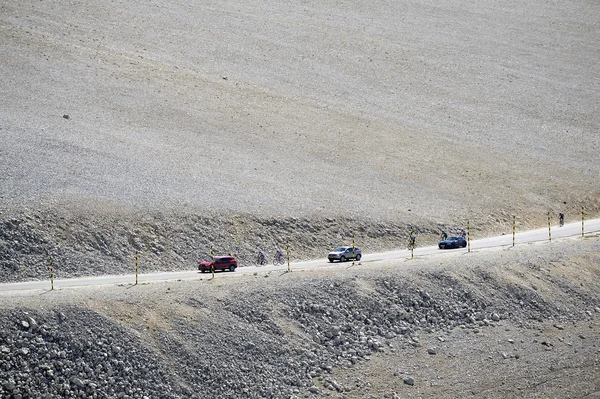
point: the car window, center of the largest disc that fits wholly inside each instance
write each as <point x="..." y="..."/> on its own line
<point x="340" y="249"/>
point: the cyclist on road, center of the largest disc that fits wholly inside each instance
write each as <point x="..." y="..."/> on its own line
<point x="279" y="259"/>
<point x="261" y="258"/>
<point x="561" y="219"/>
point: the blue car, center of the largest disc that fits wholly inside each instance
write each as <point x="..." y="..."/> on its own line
<point x="452" y="242"/>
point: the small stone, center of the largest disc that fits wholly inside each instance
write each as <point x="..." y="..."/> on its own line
<point x="495" y="317"/>
<point x="66" y="116"/>
<point x="581" y="336"/>
<point x="504" y="355"/>
<point x="77" y="381"/>
<point x="314" y="389"/>
<point x="511" y="341"/>
<point x="9" y="385"/>
<point x="441" y="339"/>
<point x="23" y="351"/>
<point x="559" y="326"/>
<point x="408" y="380"/>
<point x="431" y="351"/>
<point x="32" y="323"/>
<point x="25" y="324"/>
<point x="4" y="349"/>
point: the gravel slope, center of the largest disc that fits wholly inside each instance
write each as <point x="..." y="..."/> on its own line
<point x="451" y="109"/>
<point x="167" y="127"/>
<point x="423" y="328"/>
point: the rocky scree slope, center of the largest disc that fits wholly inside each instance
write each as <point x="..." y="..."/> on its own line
<point x="272" y="337"/>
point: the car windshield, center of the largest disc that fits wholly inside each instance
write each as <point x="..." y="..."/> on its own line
<point x="453" y="238"/>
<point x="340" y="249"/>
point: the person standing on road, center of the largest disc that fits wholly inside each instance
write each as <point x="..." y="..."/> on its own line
<point x="444" y="235"/>
<point x="463" y="233"/>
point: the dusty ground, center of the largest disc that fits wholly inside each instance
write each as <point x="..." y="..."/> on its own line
<point x="248" y="126"/>
<point x="166" y="127"/>
<point x="419" y="112"/>
<point x="519" y="322"/>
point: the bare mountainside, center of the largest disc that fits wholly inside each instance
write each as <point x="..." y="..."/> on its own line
<point x="517" y="323"/>
<point x="167" y="127"/>
<point x="452" y="110"/>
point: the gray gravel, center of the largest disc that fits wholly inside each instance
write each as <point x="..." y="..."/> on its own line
<point x="278" y="336"/>
<point x="392" y="111"/>
<point x="170" y="127"/>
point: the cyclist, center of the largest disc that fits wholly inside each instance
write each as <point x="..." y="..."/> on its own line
<point x="561" y="219"/>
<point x="278" y="257"/>
<point x="261" y="258"/>
<point x="463" y="233"/>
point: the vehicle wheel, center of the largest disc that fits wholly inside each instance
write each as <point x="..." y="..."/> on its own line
<point x="331" y="260"/>
<point x="464" y="245"/>
<point x="202" y="270"/>
<point x="232" y="268"/>
<point x="441" y="246"/>
<point x="358" y="257"/>
<point x="343" y="259"/>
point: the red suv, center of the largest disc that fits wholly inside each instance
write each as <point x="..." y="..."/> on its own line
<point x="220" y="263"/>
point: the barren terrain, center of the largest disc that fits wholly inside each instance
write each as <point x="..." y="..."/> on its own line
<point x="518" y="322"/>
<point x="169" y="127"/>
<point x="393" y="111"/>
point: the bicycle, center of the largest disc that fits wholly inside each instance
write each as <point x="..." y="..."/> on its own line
<point x="279" y="259"/>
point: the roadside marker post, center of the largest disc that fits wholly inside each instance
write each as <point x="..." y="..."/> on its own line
<point x="582" y="219"/>
<point x="51" y="276"/>
<point x="411" y="243"/>
<point x="468" y="236"/>
<point x="549" y="231"/>
<point x="212" y="262"/>
<point x="513" y="229"/>
<point x="137" y="268"/>
<point x="287" y="251"/>
<point x="353" y="257"/>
